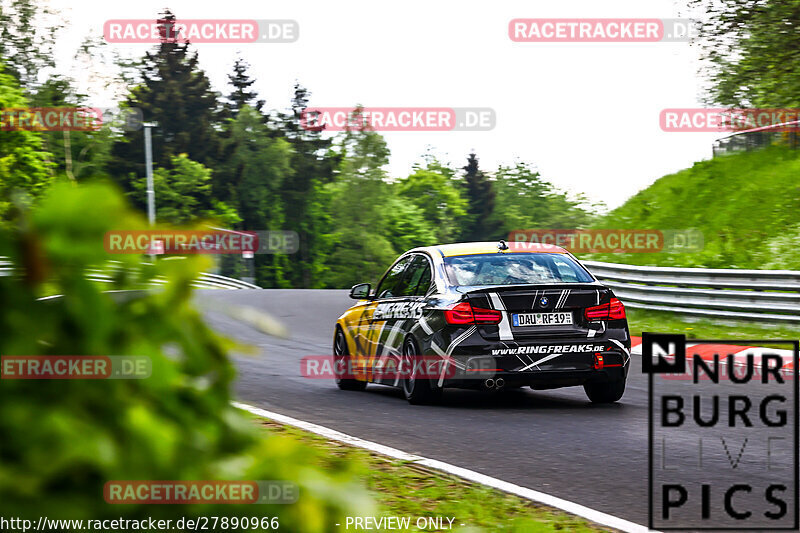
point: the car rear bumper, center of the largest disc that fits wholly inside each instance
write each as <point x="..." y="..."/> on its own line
<point x="542" y="380"/>
<point x="543" y="369"/>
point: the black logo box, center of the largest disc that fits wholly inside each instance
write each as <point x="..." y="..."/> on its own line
<point x="677" y="365"/>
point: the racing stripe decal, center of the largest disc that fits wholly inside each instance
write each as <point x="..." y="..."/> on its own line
<point x="624" y="350"/>
<point x="438" y="350"/>
<point x="424" y="325"/>
<point x="458" y="340"/>
<point x="388" y="344"/>
<point x="445" y="355"/>
<point x="447" y="359"/>
<point x="504" y="326"/>
<point x="540" y="361"/>
<point x="558" y="302"/>
<point x="563" y="298"/>
<point x="593" y="332"/>
<point x="378" y="339"/>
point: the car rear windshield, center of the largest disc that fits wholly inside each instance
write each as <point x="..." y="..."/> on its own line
<point x="514" y="269"/>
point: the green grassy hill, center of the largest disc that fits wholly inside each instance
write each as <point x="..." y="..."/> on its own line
<point x="747" y="205"/>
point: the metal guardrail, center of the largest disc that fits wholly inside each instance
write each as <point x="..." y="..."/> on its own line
<point x="761" y="295"/>
<point x="204" y="281"/>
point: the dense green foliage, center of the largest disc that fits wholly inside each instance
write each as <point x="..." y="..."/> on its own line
<point x="62" y="440"/>
<point x="23" y="163"/>
<point x="753" y="47"/>
<point x="231" y="162"/>
<point x="745" y="204"/>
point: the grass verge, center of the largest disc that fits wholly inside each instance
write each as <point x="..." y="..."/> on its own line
<point x="404" y="489"/>
<point x="640" y="320"/>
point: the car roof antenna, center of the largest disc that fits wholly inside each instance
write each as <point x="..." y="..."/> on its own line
<point x="502" y="246"/>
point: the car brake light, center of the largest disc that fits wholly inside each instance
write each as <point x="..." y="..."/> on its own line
<point x="487" y="316"/>
<point x="613" y="310"/>
<point x="463" y="313"/>
<point x="459" y="314"/>
<point x="598" y="361"/>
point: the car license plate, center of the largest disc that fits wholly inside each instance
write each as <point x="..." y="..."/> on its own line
<point x="541" y="319"/>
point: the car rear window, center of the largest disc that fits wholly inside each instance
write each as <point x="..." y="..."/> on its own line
<point x="514" y="269"/>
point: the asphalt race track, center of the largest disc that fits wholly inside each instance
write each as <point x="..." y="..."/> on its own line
<point x="552" y="441"/>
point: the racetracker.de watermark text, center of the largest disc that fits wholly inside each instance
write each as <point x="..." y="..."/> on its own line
<point x="196" y="492"/>
<point x="180" y="242"/>
<point x="601" y="30"/>
<point x="196" y="31"/>
<point x="75" y="367"/>
<point x="399" y="118"/>
<point x="610" y="240"/>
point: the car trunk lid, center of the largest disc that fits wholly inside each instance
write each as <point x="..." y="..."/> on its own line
<point x="539" y="311"/>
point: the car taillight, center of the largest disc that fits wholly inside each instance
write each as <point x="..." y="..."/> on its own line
<point x="463" y="313"/>
<point x="613" y="310"/>
<point x="459" y="314"/>
<point x="487" y="316"/>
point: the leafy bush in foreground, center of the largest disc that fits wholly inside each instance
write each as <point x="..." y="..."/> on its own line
<point x="62" y="440"/>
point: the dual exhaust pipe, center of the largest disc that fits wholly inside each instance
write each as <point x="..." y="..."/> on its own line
<point x="494" y="384"/>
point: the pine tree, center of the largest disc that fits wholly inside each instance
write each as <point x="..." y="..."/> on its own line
<point x="480" y="225"/>
<point x="177" y="95"/>
<point x="313" y="166"/>
<point x="242" y="94"/>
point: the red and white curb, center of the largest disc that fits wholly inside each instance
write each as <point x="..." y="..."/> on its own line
<point x="469" y="475"/>
<point x="707" y="352"/>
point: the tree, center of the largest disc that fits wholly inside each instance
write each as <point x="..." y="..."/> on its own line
<point x="527" y="201"/>
<point x="241" y="94"/>
<point x="177" y="95"/>
<point x="183" y="194"/>
<point x="313" y="164"/>
<point x="23" y="163"/>
<point x="255" y="171"/>
<point x="480" y="224"/>
<point x="27" y="40"/>
<point x="407" y="226"/>
<point x="432" y="189"/>
<point x="359" y="198"/>
<point x="753" y="51"/>
<point x="78" y="155"/>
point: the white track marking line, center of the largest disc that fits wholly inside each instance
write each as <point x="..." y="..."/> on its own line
<point x="470" y="475"/>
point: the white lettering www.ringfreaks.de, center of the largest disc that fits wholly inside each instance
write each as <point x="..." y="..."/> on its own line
<point x="564" y="348"/>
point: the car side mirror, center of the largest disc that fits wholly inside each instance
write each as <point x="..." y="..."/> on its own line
<point x="360" y="291"/>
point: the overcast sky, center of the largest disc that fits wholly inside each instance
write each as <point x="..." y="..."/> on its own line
<point x="586" y="115"/>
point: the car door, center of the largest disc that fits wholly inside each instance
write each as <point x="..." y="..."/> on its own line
<point x="396" y="312"/>
<point x="370" y="325"/>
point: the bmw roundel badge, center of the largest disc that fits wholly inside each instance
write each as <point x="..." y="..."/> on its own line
<point x="543" y="301"/>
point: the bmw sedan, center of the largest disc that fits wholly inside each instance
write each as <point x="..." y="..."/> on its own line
<point x="487" y="316"/>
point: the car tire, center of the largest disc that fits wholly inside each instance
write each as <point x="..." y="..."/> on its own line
<point x="341" y="353"/>
<point x="605" y="391"/>
<point x="418" y="391"/>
